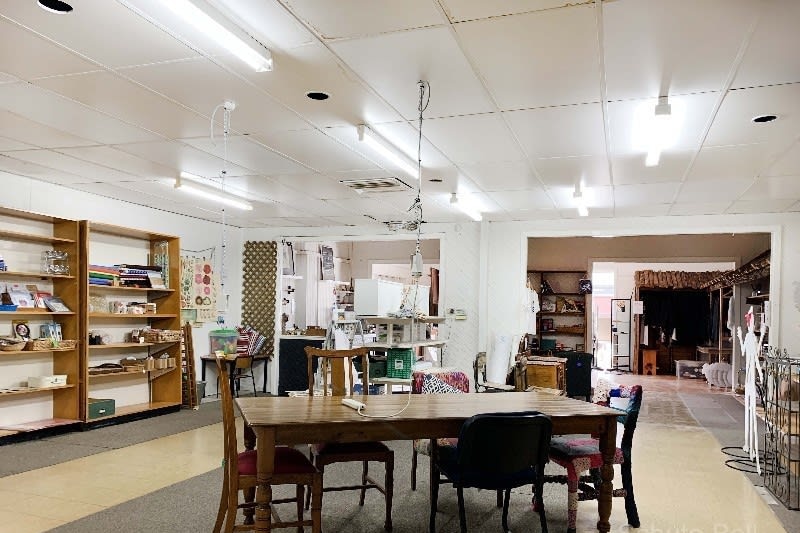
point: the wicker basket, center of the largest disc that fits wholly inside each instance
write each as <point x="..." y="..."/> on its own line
<point x="43" y="345"/>
<point x="162" y="335"/>
<point x="9" y="345"/>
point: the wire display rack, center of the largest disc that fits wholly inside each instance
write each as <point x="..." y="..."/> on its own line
<point x="782" y="416"/>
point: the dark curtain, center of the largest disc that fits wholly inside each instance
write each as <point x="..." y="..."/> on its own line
<point x="686" y="313"/>
<point x="713" y="322"/>
<point x="433" y="295"/>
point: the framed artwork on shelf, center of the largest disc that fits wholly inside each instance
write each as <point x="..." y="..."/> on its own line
<point x="548" y="325"/>
<point x="56" y="305"/>
<point x="21" y="329"/>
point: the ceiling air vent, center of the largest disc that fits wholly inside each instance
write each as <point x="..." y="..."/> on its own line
<point x="373" y="185"/>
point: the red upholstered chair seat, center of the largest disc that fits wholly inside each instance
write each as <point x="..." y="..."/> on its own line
<point x="287" y="461"/>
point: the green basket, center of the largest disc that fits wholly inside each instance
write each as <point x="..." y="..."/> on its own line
<point x="399" y="363"/>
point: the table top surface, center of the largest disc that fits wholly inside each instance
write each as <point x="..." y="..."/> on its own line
<point x="284" y="412"/>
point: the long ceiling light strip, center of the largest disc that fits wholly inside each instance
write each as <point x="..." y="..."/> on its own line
<point x="259" y="59"/>
<point x="190" y="184"/>
<point x="388" y="151"/>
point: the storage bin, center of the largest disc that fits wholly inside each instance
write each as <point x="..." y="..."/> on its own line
<point x="687" y="368"/>
<point x="99" y="407"/>
<point x="224" y="340"/>
<point x="399" y="363"/>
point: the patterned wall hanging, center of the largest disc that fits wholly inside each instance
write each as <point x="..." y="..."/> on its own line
<point x="199" y="287"/>
<point x="259" y="281"/>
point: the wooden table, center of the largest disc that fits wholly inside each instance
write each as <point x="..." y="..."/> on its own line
<point x="279" y="420"/>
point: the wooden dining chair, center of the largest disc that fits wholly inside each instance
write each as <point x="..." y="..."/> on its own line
<point x="239" y="474"/>
<point x="337" y="376"/>
<point x="243" y="369"/>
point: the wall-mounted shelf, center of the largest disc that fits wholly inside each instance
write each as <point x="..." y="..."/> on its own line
<point x="32" y="275"/>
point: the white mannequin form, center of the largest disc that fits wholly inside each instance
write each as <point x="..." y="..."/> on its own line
<point x="751" y="346"/>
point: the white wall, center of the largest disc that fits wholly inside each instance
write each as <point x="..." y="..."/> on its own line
<point x="32" y="195"/>
<point x="507" y="253"/>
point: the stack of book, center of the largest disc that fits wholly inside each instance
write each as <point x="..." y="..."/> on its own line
<point x="145" y="276"/>
<point x="103" y="275"/>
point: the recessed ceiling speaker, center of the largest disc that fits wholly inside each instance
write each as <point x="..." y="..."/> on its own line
<point x="55" y="6"/>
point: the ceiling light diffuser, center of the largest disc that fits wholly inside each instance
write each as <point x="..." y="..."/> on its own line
<point x="252" y="52"/>
<point x="656" y="128"/>
<point x="388" y="151"/>
<point x="468" y="210"/>
<point x="209" y="193"/>
<point x="580" y="201"/>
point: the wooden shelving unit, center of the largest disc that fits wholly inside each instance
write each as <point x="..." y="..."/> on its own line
<point x="132" y="392"/>
<point x="28" y="235"/>
<point x="559" y="326"/>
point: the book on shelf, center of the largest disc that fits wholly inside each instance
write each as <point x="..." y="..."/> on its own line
<point x="56" y="305"/>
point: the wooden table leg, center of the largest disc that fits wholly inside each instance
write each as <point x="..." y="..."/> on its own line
<point x="249" y="494"/>
<point x="608" y="446"/>
<point x="265" y="466"/>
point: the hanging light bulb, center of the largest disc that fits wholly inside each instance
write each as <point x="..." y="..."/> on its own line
<point x="416" y="264"/>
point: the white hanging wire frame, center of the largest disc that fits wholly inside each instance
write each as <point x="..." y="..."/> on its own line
<point x="226" y="124"/>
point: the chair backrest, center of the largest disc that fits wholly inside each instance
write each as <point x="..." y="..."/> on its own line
<point x="228" y="419"/>
<point x="579" y="374"/>
<point x="497" y="445"/>
<point x="337" y="366"/>
<point x="244" y="362"/>
<point x="631" y="416"/>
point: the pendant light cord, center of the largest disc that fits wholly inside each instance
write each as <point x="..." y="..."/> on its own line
<point x="226" y="126"/>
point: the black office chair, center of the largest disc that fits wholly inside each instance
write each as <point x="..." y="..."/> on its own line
<point x="496" y="451"/>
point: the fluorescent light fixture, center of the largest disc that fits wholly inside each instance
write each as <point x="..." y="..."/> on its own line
<point x="468" y="210"/>
<point x="580" y="201"/>
<point x="209" y="193"/>
<point x="656" y="128"/>
<point x="388" y="151"/>
<point x="259" y="58"/>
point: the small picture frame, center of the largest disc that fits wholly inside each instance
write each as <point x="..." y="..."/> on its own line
<point x="580" y="347"/>
<point x="21" y="329"/>
<point x="548" y="325"/>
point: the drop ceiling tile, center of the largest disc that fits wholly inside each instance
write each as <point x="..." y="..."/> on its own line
<point x="630" y="169"/>
<point x="35" y="134"/>
<point x="473" y="139"/>
<point x="559" y="131"/>
<point x="94" y="28"/>
<point x="315" y="185"/>
<point x="594" y="212"/>
<point x="592" y="171"/>
<point x="329" y="20"/>
<point x="256" y="111"/>
<point x="698" y="208"/>
<point x="316" y="150"/>
<point x="369" y="206"/>
<point x="112" y="157"/>
<point x="9" y="145"/>
<point x="130" y="102"/>
<point x="729" y="162"/>
<point x="786" y="164"/>
<point x="269" y="22"/>
<point x="647" y="210"/>
<point x="120" y="192"/>
<point x="89" y="172"/>
<point x="12" y="165"/>
<point x="248" y="153"/>
<point x="389" y="62"/>
<point x="645" y="56"/>
<point x="58" y="112"/>
<point x="316" y="68"/>
<point x="461" y="10"/>
<point x="501" y="175"/>
<point x="777" y="188"/>
<point x="182" y="157"/>
<point x="7" y="78"/>
<point x="27" y="56"/>
<point x="720" y="190"/>
<point x="795" y="207"/>
<point x="771" y="54"/>
<point x="692" y="110"/>
<point x="760" y="206"/>
<point x="630" y="196"/>
<point x="733" y="123"/>
<point x="532" y="198"/>
<point x="530" y="61"/>
<point x="353" y="221"/>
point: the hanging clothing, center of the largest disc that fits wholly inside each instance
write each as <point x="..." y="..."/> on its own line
<point x="531" y="308"/>
<point x="731" y="323"/>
